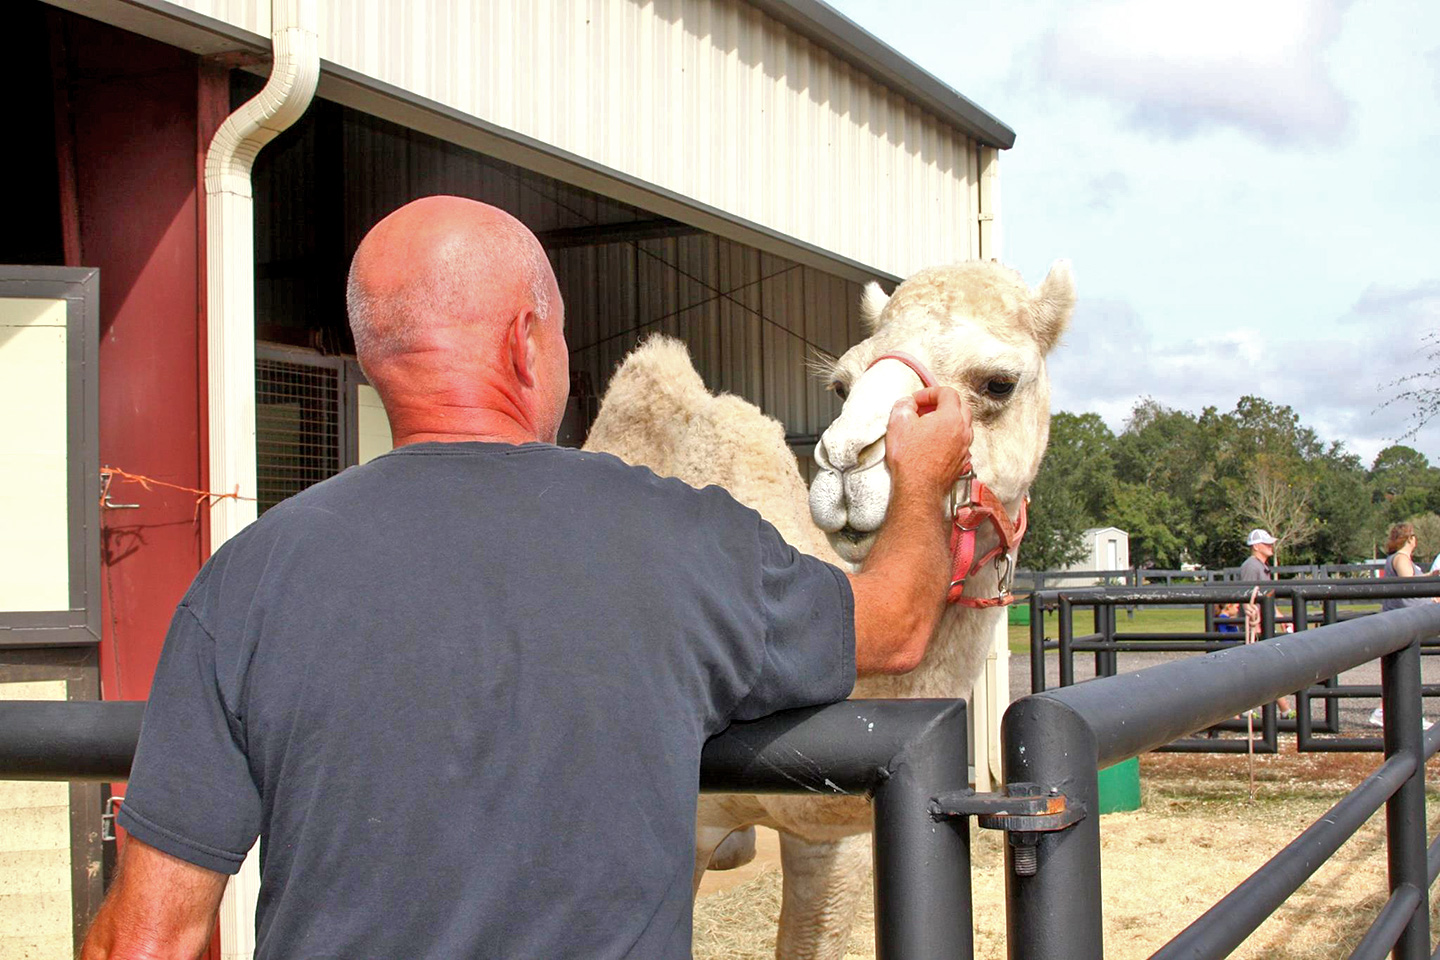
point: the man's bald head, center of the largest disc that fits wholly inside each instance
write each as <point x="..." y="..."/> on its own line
<point x="442" y="263"/>
<point x="458" y="323"/>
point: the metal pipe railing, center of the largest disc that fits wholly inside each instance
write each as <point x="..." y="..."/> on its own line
<point x="899" y="754"/>
<point x="68" y="740"/>
<point x="1058" y="740"/>
<point x="902" y="754"/>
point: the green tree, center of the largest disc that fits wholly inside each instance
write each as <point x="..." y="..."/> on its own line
<point x="1279" y="498"/>
<point x="1343" y="509"/>
<point x="1156" y="522"/>
<point x="1402" y="483"/>
<point x="1427" y="538"/>
<point x="1072" y="489"/>
<point x="1056" y="521"/>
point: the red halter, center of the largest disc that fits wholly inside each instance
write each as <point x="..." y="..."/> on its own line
<point x="968" y="515"/>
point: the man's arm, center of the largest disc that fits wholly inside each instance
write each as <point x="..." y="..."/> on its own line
<point x="159" y="908"/>
<point x="900" y="595"/>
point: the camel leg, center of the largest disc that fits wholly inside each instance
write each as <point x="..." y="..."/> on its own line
<point x="710" y="841"/>
<point x="823" y="884"/>
<point x="717" y="817"/>
<point x="734" y="851"/>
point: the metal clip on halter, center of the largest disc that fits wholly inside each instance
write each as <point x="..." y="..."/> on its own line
<point x="1022" y="810"/>
<point x="955" y="502"/>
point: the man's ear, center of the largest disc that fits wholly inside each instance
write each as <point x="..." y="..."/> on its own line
<point x="523" y="349"/>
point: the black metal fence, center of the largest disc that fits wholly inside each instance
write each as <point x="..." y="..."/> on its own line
<point x="1106" y="642"/>
<point x="1058" y="740"/>
<point x="1030" y="580"/>
<point x="909" y="758"/>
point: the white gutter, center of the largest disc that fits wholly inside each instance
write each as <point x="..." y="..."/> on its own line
<point x="230" y="309"/>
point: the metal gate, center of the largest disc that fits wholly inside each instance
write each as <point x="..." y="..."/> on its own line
<point x="912" y="767"/>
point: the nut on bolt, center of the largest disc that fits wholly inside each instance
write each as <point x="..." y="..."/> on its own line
<point x="1024" y="853"/>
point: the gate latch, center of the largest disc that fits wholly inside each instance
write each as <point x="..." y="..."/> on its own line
<point x="107" y="819"/>
<point x="1022" y="810"/>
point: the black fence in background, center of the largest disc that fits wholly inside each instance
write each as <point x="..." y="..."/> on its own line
<point x="1106" y="643"/>
<point x="1027" y="581"/>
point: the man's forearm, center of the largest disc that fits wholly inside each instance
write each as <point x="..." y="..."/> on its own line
<point x="159" y="908"/>
<point x="900" y="595"/>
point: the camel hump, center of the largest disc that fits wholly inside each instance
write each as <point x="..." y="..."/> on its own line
<point x="659" y="370"/>
<point x="653" y="395"/>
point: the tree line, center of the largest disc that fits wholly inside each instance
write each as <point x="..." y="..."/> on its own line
<point x="1187" y="488"/>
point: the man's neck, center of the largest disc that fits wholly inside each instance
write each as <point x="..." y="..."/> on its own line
<point x="1264" y="560"/>
<point x="437" y="412"/>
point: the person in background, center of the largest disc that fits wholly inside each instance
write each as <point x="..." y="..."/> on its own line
<point x="1257" y="568"/>
<point x="1225" y="616"/>
<point x="1400" y="562"/>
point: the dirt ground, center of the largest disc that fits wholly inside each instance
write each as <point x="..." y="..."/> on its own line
<point x="1197" y="835"/>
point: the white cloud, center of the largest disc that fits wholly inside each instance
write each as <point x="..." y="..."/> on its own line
<point x="1336" y="384"/>
<point x="1179" y="68"/>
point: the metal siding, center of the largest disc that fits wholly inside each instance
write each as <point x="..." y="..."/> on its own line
<point x="753" y="321"/>
<point x="709" y="98"/>
<point x="252" y="15"/>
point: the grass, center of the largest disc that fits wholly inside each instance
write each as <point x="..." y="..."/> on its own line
<point x="1140" y="620"/>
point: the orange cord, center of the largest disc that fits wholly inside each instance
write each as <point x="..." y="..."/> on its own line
<point x="109" y="474"/>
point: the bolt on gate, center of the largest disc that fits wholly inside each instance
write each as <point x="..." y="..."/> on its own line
<point x="909" y="758"/>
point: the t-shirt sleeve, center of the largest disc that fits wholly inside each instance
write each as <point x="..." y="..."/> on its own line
<point x="190" y="792"/>
<point x="809" y="631"/>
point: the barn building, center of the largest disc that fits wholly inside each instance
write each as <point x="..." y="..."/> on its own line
<point x="727" y="171"/>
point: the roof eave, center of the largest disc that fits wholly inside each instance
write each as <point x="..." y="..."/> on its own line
<point x="832" y="30"/>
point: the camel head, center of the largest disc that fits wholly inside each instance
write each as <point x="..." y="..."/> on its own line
<point x="979" y="329"/>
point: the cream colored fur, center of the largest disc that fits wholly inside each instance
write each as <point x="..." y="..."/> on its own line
<point x="970" y="323"/>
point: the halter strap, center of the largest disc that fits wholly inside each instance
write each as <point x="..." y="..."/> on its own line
<point x="909" y="361"/>
<point x="979" y="507"/>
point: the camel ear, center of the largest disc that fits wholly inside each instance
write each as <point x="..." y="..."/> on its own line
<point x="872" y="304"/>
<point x="1051" y="304"/>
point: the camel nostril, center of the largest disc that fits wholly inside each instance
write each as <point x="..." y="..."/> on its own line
<point x="871" y="455"/>
<point x="822" y="460"/>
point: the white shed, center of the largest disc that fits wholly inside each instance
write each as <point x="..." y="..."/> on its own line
<point x="1106" y="548"/>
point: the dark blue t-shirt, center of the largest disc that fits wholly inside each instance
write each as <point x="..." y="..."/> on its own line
<point x="460" y="693"/>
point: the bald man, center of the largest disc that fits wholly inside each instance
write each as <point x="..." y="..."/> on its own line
<point x="460" y="692"/>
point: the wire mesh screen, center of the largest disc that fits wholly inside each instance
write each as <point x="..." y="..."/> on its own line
<point x="297" y="428"/>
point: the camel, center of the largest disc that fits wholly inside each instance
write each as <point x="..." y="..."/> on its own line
<point x="978" y="328"/>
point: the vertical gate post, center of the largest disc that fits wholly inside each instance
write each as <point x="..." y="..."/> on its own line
<point x="1037" y="640"/>
<point x="1405" y="811"/>
<point x="1055" y="913"/>
<point x="1065" y="616"/>
<point x="922" y="865"/>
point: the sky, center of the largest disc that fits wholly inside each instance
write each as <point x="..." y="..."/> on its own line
<point x="1248" y="191"/>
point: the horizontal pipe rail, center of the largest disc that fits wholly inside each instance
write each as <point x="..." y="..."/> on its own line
<point x="68" y="740"/>
<point x="1237" y="591"/>
<point x="1137" y="712"/>
<point x="1057" y="741"/>
<point x="1225" y="926"/>
<point x="1380" y="939"/>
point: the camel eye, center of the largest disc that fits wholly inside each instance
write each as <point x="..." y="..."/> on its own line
<point x="1000" y="387"/>
<point x="842" y="390"/>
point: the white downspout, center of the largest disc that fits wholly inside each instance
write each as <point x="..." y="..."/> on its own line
<point x="230" y="309"/>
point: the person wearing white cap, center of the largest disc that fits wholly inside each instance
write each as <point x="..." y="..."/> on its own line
<point x="1256" y="567"/>
<point x="1262" y="548"/>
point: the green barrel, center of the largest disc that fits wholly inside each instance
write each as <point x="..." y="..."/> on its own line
<point x="1120" y="787"/>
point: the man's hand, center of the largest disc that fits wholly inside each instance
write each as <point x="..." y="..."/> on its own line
<point x="900" y="595"/>
<point x="158" y="907"/>
<point x="927" y="442"/>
